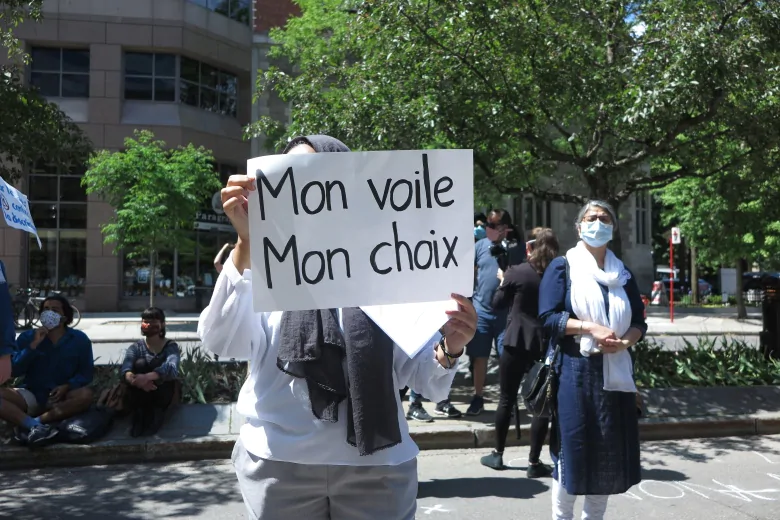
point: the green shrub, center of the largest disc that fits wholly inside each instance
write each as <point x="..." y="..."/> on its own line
<point x="710" y="362"/>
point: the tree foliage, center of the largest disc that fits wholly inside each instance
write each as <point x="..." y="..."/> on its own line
<point x="565" y="99"/>
<point x="33" y="129"/>
<point x="156" y="192"/>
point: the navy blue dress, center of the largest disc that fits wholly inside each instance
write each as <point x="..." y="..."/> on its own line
<point x="596" y="435"/>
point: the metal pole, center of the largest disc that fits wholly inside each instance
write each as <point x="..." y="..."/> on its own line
<point x="671" y="280"/>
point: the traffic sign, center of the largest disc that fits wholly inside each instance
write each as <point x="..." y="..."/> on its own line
<point x="676" y="235"/>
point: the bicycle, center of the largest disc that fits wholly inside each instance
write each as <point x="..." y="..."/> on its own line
<point x="26" y="304"/>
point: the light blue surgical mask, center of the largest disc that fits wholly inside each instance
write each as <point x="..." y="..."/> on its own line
<point x="596" y="233"/>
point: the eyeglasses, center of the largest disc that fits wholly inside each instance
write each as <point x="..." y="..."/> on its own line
<point x="605" y="219"/>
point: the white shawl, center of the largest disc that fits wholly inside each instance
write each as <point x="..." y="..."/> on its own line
<point x="588" y="304"/>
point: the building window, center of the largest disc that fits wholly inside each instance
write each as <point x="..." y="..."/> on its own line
<point x="238" y="10"/>
<point x="642" y="218"/>
<point x="166" y="77"/>
<point x="208" y="88"/>
<point x="58" y="204"/>
<point x="150" y="77"/>
<point x="531" y="212"/>
<point x="60" y="72"/>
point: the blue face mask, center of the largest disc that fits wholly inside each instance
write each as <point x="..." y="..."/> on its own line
<point x="596" y="233"/>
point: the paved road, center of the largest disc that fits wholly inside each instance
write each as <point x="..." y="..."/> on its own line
<point x="107" y="352"/>
<point x="719" y="479"/>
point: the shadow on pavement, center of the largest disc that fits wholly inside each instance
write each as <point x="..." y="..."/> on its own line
<point x="663" y="475"/>
<point x="479" y="487"/>
<point x="705" y="450"/>
<point x="119" y="492"/>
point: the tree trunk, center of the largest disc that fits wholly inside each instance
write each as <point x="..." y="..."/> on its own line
<point x="694" y="277"/>
<point x="741" y="309"/>
<point x="152" y="269"/>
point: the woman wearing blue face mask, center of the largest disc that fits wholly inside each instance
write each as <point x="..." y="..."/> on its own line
<point x="591" y="307"/>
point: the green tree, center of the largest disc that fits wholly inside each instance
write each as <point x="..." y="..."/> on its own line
<point x="156" y="192"/>
<point x="565" y="99"/>
<point x="33" y="129"/>
<point x="731" y="218"/>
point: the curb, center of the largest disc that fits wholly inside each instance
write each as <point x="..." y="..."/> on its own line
<point x="196" y="339"/>
<point x="433" y="437"/>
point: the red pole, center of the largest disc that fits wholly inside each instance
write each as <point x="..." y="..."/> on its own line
<point x="671" y="280"/>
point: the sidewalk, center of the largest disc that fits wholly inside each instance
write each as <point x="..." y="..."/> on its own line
<point x="183" y="328"/>
<point x="200" y="432"/>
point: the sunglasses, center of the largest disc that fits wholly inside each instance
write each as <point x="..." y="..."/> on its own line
<point x="493" y="225"/>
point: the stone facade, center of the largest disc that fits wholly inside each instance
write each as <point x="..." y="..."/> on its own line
<point x="109" y="29"/>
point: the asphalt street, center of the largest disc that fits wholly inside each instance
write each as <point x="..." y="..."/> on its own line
<point x="718" y="479"/>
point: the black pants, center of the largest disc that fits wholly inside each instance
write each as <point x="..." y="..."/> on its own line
<point x="512" y="367"/>
<point x="160" y="398"/>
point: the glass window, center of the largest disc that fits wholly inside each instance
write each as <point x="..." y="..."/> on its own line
<point x="150" y="77"/>
<point x="47" y="84"/>
<point x="72" y="261"/>
<point x="43" y="261"/>
<point x="139" y="88"/>
<point x="140" y="64"/>
<point x="73" y="216"/>
<point x="641" y="218"/>
<point x="209" y="100"/>
<point x="189" y="93"/>
<point x="75" y="61"/>
<point x="44" y="214"/>
<point x="43" y="187"/>
<point x="60" y="72"/>
<point x="71" y="190"/>
<point x="190" y="70"/>
<point x="62" y="263"/>
<point x="238" y="10"/>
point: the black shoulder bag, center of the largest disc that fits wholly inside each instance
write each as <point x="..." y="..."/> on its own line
<point x="540" y="385"/>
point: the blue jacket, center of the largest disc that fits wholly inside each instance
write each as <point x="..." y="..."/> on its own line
<point x="7" y="321"/>
<point x="70" y="362"/>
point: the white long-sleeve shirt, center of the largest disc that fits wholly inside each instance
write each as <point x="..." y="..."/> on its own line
<point x="280" y="424"/>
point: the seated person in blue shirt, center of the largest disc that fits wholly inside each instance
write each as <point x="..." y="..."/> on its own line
<point x="7" y="328"/>
<point x="57" y="365"/>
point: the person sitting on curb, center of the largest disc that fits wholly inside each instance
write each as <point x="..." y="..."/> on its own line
<point x="57" y="365"/>
<point x="7" y="328"/>
<point x="150" y="369"/>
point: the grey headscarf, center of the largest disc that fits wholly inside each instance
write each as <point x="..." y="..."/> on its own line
<point x="313" y="347"/>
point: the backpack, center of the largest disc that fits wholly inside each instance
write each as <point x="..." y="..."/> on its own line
<point x="87" y="427"/>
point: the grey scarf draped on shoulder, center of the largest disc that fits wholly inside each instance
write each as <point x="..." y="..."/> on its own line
<point x="314" y="348"/>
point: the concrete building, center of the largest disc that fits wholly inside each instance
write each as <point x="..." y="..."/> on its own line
<point x="180" y="68"/>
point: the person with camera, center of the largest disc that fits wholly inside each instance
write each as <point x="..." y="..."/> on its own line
<point x="523" y="345"/>
<point x="500" y="249"/>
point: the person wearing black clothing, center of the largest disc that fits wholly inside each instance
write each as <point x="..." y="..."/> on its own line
<point x="150" y="369"/>
<point x="523" y="344"/>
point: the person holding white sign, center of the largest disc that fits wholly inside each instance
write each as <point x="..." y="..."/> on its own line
<point x="325" y="436"/>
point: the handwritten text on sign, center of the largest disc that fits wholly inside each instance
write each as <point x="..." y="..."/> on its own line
<point x="16" y="209"/>
<point x="357" y="229"/>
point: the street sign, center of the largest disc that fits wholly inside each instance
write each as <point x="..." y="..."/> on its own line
<point x="676" y="236"/>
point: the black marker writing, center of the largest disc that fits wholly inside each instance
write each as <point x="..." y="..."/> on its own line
<point x="314" y="197"/>
<point x="401" y="192"/>
<point x="424" y="255"/>
<point x="301" y="269"/>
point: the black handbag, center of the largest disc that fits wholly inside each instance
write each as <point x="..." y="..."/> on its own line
<point x="539" y="387"/>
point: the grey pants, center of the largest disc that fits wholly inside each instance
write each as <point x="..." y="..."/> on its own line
<point x="274" y="490"/>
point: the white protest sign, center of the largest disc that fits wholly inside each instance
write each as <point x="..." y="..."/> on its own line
<point x="16" y="209"/>
<point x="361" y="229"/>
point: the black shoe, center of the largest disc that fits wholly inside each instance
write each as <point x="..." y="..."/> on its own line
<point x="477" y="406"/>
<point x="41" y="434"/>
<point x="20" y="436"/>
<point x="417" y="413"/>
<point x="495" y="460"/>
<point x="538" y="470"/>
<point x="447" y="410"/>
<point x="156" y="418"/>
<point x="139" y="423"/>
